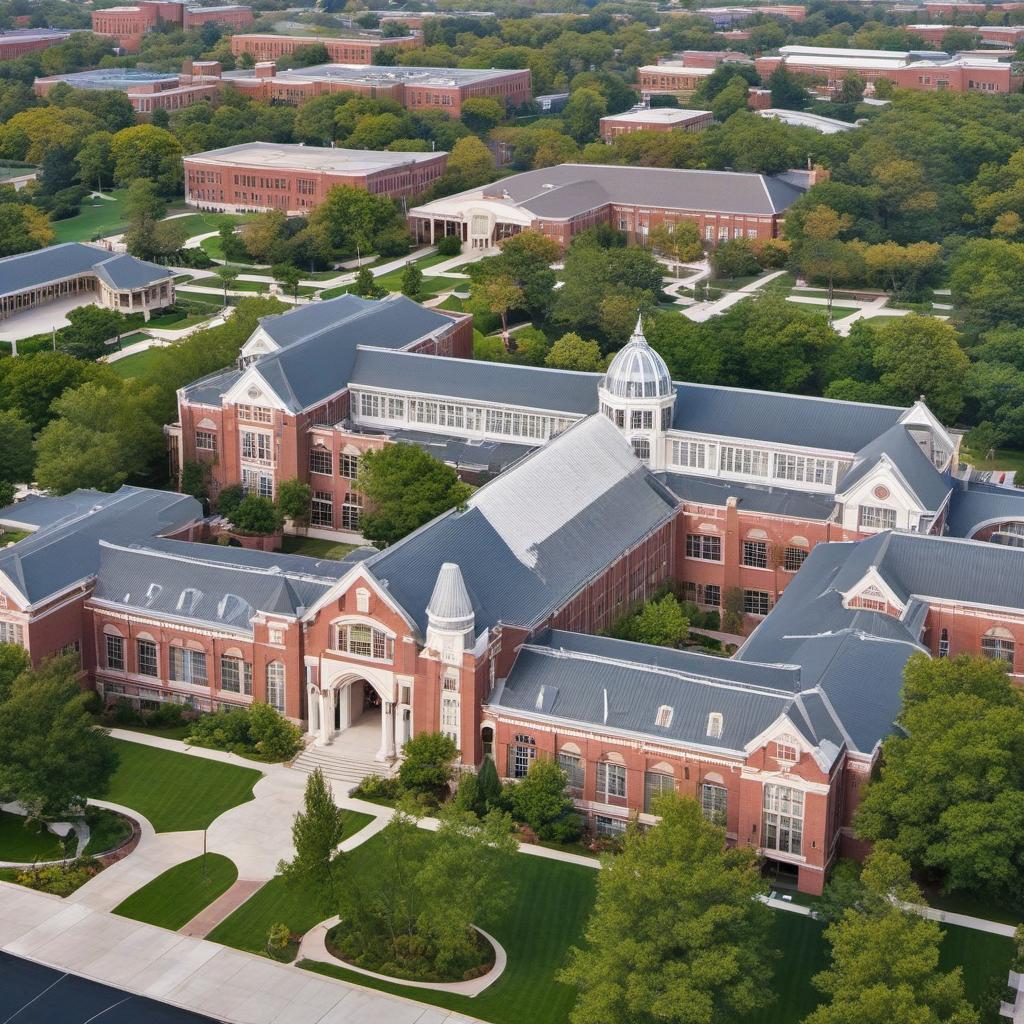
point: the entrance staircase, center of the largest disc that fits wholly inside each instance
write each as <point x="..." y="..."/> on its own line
<point x="344" y="768"/>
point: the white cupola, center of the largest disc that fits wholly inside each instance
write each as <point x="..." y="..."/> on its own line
<point x="638" y="396"/>
<point x="450" y="617"/>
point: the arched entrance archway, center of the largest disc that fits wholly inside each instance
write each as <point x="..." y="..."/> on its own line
<point x="356" y="712"/>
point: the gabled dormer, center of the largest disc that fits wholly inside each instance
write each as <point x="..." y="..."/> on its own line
<point x="252" y="390"/>
<point x="872" y="593"/>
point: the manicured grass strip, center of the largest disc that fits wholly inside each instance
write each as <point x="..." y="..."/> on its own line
<point x="315" y="548"/>
<point x="96" y="217"/>
<point x="135" y="365"/>
<point x="24" y="845"/>
<point x="107" y="830"/>
<point x="172" y="899"/>
<point x="543" y="920"/>
<point x="177" y="792"/>
<point x="985" y="959"/>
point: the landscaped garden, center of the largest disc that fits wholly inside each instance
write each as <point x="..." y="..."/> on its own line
<point x="26" y="841"/>
<point x="176" y="792"/>
<point x="314" y="547"/>
<point x="173" y="898"/>
<point x="136" y="365"/>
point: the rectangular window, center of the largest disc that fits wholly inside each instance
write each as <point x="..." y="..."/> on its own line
<point x="450" y="715"/>
<point x="321" y="509"/>
<point x="783" y="819"/>
<point x="874" y="518"/>
<point x="756" y="602"/>
<point x="396" y="408"/>
<point x="321" y="461"/>
<point x="656" y="784"/>
<point x="275" y="686"/>
<point x="188" y="667"/>
<point x="755" y="554"/>
<point x="255" y="482"/>
<point x="205" y="441"/>
<point x="115" y="652"/>
<point x="703" y="546"/>
<point x="145" y="651"/>
<point x="793" y="559"/>
<point x="714" y="802"/>
<point x="11" y="633"/>
<point x="369" y="405"/>
<point x="257" y="446"/>
<point x="348" y="466"/>
<point x="572" y="765"/>
<point x="235" y="675"/>
<point x="352" y="511"/>
<point x="605" y="826"/>
<point x="641" y="419"/>
<point x="747" y="461"/>
<point x="805" y="469"/>
<point x="611" y="781"/>
<point x="520" y="757"/>
<point x="689" y="454"/>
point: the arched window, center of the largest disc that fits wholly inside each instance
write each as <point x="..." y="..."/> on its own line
<point x="275" y="685"/>
<point x="363" y="640"/>
<point x="521" y="755"/>
<point x="998" y="644"/>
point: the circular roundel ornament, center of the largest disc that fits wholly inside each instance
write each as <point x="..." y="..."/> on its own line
<point x="881" y="493"/>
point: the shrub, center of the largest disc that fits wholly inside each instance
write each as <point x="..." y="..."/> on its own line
<point x="278" y="938"/>
<point x="540" y="800"/>
<point x="125" y="714"/>
<point x="257" y="515"/>
<point x="450" y="245"/>
<point x="376" y="787"/>
<point x="166" y="716"/>
<point x="467" y="796"/>
<point x="394" y="242"/>
<point x="229" y="499"/>
<point x="59" y="879"/>
<point x="92" y="702"/>
<point x="427" y="765"/>
<point x="273" y="736"/>
<point x="489" y="784"/>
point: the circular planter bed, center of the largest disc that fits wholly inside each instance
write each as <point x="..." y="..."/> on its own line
<point x="491" y="961"/>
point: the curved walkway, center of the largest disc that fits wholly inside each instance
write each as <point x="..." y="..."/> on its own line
<point x="314" y="947"/>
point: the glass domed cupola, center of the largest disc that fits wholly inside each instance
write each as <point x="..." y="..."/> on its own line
<point x="638" y="396"/>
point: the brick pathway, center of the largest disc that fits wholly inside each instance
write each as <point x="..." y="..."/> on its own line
<point x="223" y="906"/>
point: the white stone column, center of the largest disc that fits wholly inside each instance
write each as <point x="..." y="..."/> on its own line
<point x="387" y="732"/>
<point x="326" y="718"/>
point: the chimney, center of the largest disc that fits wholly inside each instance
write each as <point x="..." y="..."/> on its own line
<point x="759" y="99"/>
<point x="266" y="69"/>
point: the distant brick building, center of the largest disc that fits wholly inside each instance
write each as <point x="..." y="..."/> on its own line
<point x="672" y="79"/>
<point x="15" y="43"/>
<point x="562" y="201"/>
<point x="275" y="176"/>
<point x="354" y="50"/>
<point x="129" y="24"/>
<point x="147" y="90"/>
<point x="659" y="119"/>
<point x="415" y="88"/>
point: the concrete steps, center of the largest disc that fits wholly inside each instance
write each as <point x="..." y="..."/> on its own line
<point x="346" y="768"/>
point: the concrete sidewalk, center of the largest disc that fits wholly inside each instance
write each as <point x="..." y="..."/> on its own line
<point x="191" y="973"/>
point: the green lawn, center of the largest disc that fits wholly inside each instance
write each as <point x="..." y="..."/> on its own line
<point x="315" y="548"/>
<point x="278" y="903"/>
<point x="24" y="845"/>
<point x="177" y="319"/>
<point x="543" y="920"/>
<point x="12" y="536"/>
<point x="172" y="899"/>
<point x="1006" y="458"/>
<point x="205" y="298"/>
<point x="97" y="217"/>
<point x="177" y="792"/>
<point x="107" y="830"/>
<point x="135" y="365"/>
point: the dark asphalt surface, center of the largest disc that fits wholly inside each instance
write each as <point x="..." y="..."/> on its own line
<point x="33" y="994"/>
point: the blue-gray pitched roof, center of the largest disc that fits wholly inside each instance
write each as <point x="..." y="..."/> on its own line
<point x="489" y="456"/>
<point x="530" y="539"/>
<point x="299" y="323"/>
<point x="472" y="380"/>
<point x="210" y="389"/>
<point x="778" y="501"/>
<point x="312" y="367"/>
<point x="56" y="262"/>
<point x="979" y="504"/>
<point x="211" y="584"/>
<point x="65" y="549"/>
<point x="898" y="445"/>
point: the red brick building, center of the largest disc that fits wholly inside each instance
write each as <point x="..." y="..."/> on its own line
<point x="480" y="623"/>
<point x="350" y="50"/>
<point x="147" y="90"/>
<point x="658" y="119"/>
<point x="671" y="79"/>
<point x="415" y="89"/>
<point x="562" y="201"/>
<point x="14" y="43"/>
<point x="274" y="176"/>
<point x="129" y="24"/>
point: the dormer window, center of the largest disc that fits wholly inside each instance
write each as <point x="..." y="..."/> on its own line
<point x="872" y="599"/>
<point x="664" y="717"/>
<point x="189" y="599"/>
<point x="715" y="723"/>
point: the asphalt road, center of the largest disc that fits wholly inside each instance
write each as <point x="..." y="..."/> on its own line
<point x="33" y="994"/>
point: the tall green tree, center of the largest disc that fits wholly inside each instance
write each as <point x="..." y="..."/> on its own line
<point x="405" y="487"/>
<point x="51" y="756"/>
<point x="145" y="151"/>
<point x="571" y="352"/>
<point x="678" y="934"/>
<point x="885" y="960"/>
<point x="950" y="794"/>
<point x="16" y="459"/>
<point x="317" y="831"/>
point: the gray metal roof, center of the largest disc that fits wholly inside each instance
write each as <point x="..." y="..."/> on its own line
<point x="751" y="497"/>
<point x="311" y="368"/>
<point x="898" y="445"/>
<point x="200" y="583"/>
<point x="472" y="380"/>
<point x="56" y="262"/>
<point x="65" y="549"/>
<point x="569" y="189"/>
<point x="530" y="539"/>
<point x="299" y="323"/>
<point x="784" y="419"/>
<point x="208" y="390"/>
<point x="487" y="456"/>
<point x="978" y="504"/>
